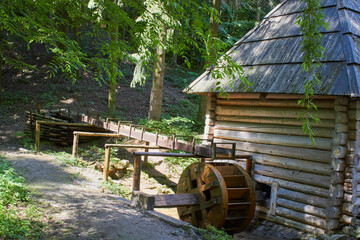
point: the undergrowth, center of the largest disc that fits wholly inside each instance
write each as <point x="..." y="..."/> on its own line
<point x="175" y="162"/>
<point x="211" y="233"/>
<point x="19" y="217"/>
<point x="117" y="189"/>
<point x="174" y="125"/>
<point x="66" y="158"/>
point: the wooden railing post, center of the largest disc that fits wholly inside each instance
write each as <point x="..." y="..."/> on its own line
<point x="75" y="145"/>
<point x="137" y="172"/>
<point x="106" y="163"/>
<point x="37" y="136"/>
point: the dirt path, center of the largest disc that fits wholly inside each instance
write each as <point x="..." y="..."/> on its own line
<point x="77" y="207"/>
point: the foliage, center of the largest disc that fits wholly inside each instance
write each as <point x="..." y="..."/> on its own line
<point x="311" y="21"/>
<point x="174" y="125"/>
<point x="117" y="188"/>
<point x="211" y="233"/>
<point x="175" y="162"/>
<point x="24" y="140"/>
<point x="19" y="217"/>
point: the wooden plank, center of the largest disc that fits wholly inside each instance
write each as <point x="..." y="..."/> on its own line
<point x="96" y="134"/>
<point x="234" y="180"/>
<point x="272" y="128"/>
<point x="273" y="103"/>
<point x="270" y="112"/>
<point x="274" y="139"/>
<point x="308" y="189"/>
<point x="272" y="120"/>
<point x="273" y="197"/>
<point x="293" y="175"/>
<point x="237" y="193"/>
<point x="176" y="200"/>
<point x="164" y="154"/>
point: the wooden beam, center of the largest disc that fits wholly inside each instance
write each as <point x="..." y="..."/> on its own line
<point x="176" y="200"/>
<point x="142" y="200"/>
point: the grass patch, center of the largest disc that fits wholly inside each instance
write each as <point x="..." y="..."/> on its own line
<point x="211" y="233"/>
<point x="117" y="189"/>
<point x="67" y="159"/>
<point x="19" y="217"/>
<point x="175" y="162"/>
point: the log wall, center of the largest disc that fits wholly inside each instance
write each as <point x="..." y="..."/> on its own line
<point x="267" y="128"/>
<point x="350" y="207"/>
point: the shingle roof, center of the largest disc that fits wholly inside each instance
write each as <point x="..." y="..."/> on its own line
<point x="271" y="57"/>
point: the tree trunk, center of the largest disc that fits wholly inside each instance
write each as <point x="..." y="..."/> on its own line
<point x="214" y="26"/>
<point x="1" y="64"/>
<point x="158" y="79"/>
<point x="113" y="69"/>
<point x="258" y="7"/>
<point x="76" y="38"/>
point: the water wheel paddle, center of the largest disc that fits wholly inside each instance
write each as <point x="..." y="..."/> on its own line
<point x="227" y="197"/>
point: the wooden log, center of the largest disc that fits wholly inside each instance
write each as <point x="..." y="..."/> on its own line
<point x="272" y="120"/>
<point x="338" y="164"/>
<point x="176" y="200"/>
<point x="293" y="224"/>
<point x="307" y="189"/>
<point x="142" y="200"/>
<point x="274" y="139"/>
<point x="340" y="138"/>
<point x="270" y="112"/>
<point x="271" y="128"/>
<point x="350" y="209"/>
<point x="240" y="96"/>
<point x="336" y="192"/>
<point x="302" y="197"/>
<point x="302" y="217"/>
<point x="337" y="178"/>
<point x="137" y="172"/>
<point x="348" y="219"/>
<point x="293" y="175"/>
<point x="341" y="117"/>
<point x="339" y="152"/>
<point x="301" y="207"/>
<point x="350" y="198"/>
<point x="332" y="212"/>
<point x="273" y="103"/>
<point x="295" y="96"/>
<point x="75" y="145"/>
<point x="282" y="151"/>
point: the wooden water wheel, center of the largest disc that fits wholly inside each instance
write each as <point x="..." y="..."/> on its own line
<point x="227" y="197"/>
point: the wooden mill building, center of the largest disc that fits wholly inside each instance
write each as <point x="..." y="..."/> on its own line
<point x="314" y="188"/>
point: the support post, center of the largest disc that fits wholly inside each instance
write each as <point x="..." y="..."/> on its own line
<point x="137" y="172"/>
<point x="75" y="145"/>
<point x="146" y="150"/>
<point x="37" y="136"/>
<point x="106" y="163"/>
